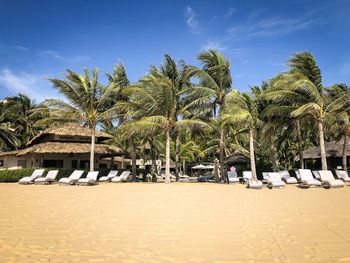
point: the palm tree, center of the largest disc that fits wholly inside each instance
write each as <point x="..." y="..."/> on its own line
<point x="154" y="105"/>
<point x="340" y="109"/>
<point x="302" y="86"/>
<point x="86" y="103"/>
<point x="242" y="110"/>
<point x="216" y="82"/>
<point x="8" y="140"/>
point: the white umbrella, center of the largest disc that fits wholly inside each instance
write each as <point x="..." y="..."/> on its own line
<point x="199" y="166"/>
<point x="209" y="167"/>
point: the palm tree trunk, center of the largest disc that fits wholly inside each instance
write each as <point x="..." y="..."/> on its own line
<point x="222" y="156"/>
<point x="167" y="157"/>
<point x="273" y="153"/>
<point x="154" y="164"/>
<point x="345" y="145"/>
<point x="322" y="146"/>
<point x="177" y="153"/>
<point x="184" y="167"/>
<point x="133" y="161"/>
<point x="252" y="155"/>
<point x="300" y="146"/>
<point x="92" y="150"/>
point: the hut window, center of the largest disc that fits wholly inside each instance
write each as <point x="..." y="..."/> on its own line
<point x="1" y="162"/>
<point x="53" y="163"/>
<point x="74" y="164"/>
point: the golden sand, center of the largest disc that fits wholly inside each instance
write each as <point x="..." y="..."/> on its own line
<point x="139" y="222"/>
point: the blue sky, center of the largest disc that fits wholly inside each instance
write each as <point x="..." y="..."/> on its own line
<point x="40" y="39"/>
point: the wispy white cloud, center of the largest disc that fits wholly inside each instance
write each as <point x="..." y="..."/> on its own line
<point x="270" y="26"/>
<point x="229" y="13"/>
<point x="192" y="20"/>
<point x="33" y="85"/>
<point x="56" y="55"/>
<point x="212" y="44"/>
<point x="20" y="47"/>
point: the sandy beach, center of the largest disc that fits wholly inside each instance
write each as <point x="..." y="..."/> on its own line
<point x="140" y="222"/>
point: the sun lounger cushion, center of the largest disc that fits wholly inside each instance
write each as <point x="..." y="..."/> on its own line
<point x="274" y="180"/>
<point x="123" y="177"/>
<point x="247" y="175"/>
<point x="328" y="178"/>
<point x="73" y="178"/>
<point x="30" y="179"/>
<point x="342" y="175"/>
<point x="232" y="177"/>
<point x="91" y="178"/>
<point x="111" y="174"/>
<point x="49" y="178"/>
<point x="307" y="178"/>
<point x="287" y="178"/>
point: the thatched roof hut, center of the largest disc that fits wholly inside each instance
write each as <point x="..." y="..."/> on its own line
<point x="70" y="129"/>
<point x="236" y="157"/>
<point x="63" y="147"/>
<point x="333" y="149"/>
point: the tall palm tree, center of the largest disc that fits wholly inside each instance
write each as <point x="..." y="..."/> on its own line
<point x="8" y="140"/>
<point x="85" y="103"/>
<point x="302" y="86"/>
<point x="242" y="110"/>
<point x="340" y="110"/>
<point x="154" y="104"/>
<point x="216" y="82"/>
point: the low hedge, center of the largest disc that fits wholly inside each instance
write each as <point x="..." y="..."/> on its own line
<point x="11" y="176"/>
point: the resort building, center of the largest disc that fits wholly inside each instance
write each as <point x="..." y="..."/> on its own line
<point x="334" y="153"/>
<point x="66" y="147"/>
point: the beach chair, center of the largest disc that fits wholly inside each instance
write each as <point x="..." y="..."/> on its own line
<point x="109" y="177"/>
<point x="48" y="179"/>
<point x="329" y="181"/>
<point x="122" y="178"/>
<point x="91" y="179"/>
<point x="297" y="174"/>
<point x="307" y="179"/>
<point x="342" y="175"/>
<point x="30" y="179"/>
<point x="275" y="181"/>
<point x="287" y="178"/>
<point x="72" y="179"/>
<point x="232" y="177"/>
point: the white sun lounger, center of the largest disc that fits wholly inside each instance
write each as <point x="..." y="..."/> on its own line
<point x="109" y="177"/>
<point x="122" y="178"/>
<point x="342" y="175"/>
<point x="287" y="178"/>
<point x="91" y="179"/>
<point x="329" y="181"/>
<point x="232" y="177"/>
<point x="275" y="181"/>
<point x="72" y="179"/>
<point x="248" y="179"/>
<point x="265" y="176"/>
<point x="247" y="175"/>
<point x="48" y="179"/>
<point x="307" y="179"/>
<point x="30" y="179"/>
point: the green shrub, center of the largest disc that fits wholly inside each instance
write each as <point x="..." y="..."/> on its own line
<point x="10" y="176"/>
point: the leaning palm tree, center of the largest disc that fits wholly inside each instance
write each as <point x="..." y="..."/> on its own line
<point x="154" y="107"/>
<point x="85" y="103"/>
<point x="216" y="82"/>
<point x="242" y="110"/>
<point x="302" y="86"/>
<point x="8" y="140"/>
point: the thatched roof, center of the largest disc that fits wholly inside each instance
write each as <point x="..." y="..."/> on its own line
<point x="70" y="129"/>
<point x="236" y="157"/>
<point x="8" y="153"/>
<point x="333" y="149"/>
<point x="66" y="147"/>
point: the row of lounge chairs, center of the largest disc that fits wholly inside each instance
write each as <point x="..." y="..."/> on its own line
<point x="38" y="177"/>
<point x="305" y="177"/>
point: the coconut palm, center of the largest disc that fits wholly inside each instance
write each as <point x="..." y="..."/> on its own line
<point x="242" y="110"/>
<point x="302" y="87"/>
<point x="85" y="103"/>
<point x="215" y="83"/>
<point x="340" y="110"/>
<point x="8" y="140"/>
<point x="154" y="105"/>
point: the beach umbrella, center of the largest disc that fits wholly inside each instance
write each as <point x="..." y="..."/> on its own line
<point x="199" y="167"/>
